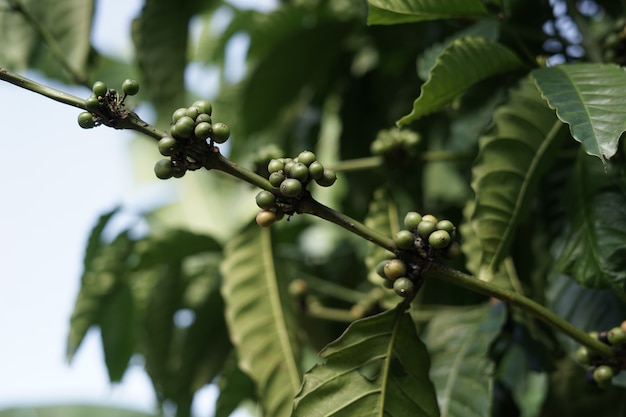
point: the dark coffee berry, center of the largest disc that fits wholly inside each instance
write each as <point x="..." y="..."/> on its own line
<point x="328" y="178"/>
<point x="380" y="269"/>
<point x="453" y="250"/>
<point x="164" y="169"/>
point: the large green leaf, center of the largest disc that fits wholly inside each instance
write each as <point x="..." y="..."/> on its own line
<point x="391" y="12"/>
<point x="259" y="318"/>
<point x="71" y="410"/>
<point x="595" y="251"/>
<point x="117" y="329"/>
<point x="459" y="343"/>
<point x="67" y="28"/>
<point x="378" y="367"/>
<point x="514" y="154"/>
<point x="235" y="386"/>
<point x="591" y="98"/>
<point x="462" y="64"/>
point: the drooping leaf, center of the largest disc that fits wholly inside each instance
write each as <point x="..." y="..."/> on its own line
<point x="258" y="314"/>
<point x="391" y="12"/>
<point x="463" y="63"/>
<point x="591" y="98"/>
<point x="587" y="309"/>
<point x="379" y="366"/>
<point x="160" y="35"/>
<point x="67" y="24"/>
<point x="460" y="368"/>
<point x="235" y="386"/>
<point x="95" y="241"/>
<point x="595" y="250"/>
<point x="513" y="155"/>
<point x="117" y="329"/>
<point x="103" y="273"/>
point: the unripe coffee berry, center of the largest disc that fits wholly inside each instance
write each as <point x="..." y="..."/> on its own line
<point x="404" y="239"/>
<point x="404" y="287"/>
<point x="380" y="269"/>
<point x="582" y="356"/>
<point x="178" y="113"/>
<point x="425" y="228"/>
<point x="168" y="146"/>
<point x="603" y="375"/>
<point x="130" y="87"/>
<point x="184" y="126"/>
<point x="430" y="218"/>
<point x="265" y="200"/>
<point x="439" y="239"/>
<point x="446" y="225"/>
<point x="291" y="187"/>
<point x="327" y="179"/>
<point x="394" y="268"/>
<point x="221" y="133"/>
<point x="616" y="336"/>
<point x="306" y="157"/>
<point x="99" y="89"/>
<point x="316" y="170"/>
<point x="164" y="169"/>
<point x="203" y="106"/>
<point x="299" y="171"/>
<point x="85" y="120"/>
<point x="275" y="165"/>
<point x="92" y="103"/>
<point x="202" y="130"/>
<point x="412" y="219"/>
<point x="276" y="178"/>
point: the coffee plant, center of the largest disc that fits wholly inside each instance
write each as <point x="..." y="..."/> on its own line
<point x="423" y="211"/>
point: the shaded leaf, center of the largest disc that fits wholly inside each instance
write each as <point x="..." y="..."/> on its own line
<point x="591" y="98"/>
<point x="235" y="386"/>
<point x="587" y="309"/>
<point x="513" y="155"/>
<point x="117" y="329"/>
<point x="172" y="246"/>
<point x="95" y="241"/>
<point x="594" y="253"/>
<point x="391" y="12"/>
<point x="160" y="35"/>
<point x="72" y="411"/>
<point x="68" y="24"/>
<point x="463" y="63"/>
<point x="460" y="368"/>
<point x="379" y="366"/>
<point x="261" y="325"/>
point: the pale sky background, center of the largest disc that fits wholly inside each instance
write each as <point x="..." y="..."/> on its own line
<point x="58" y="178"/>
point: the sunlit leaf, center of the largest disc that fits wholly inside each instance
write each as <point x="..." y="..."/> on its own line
<point x="591" y="98"/>
<point x="459" y="343"/>
<point x="514" y="154"/>
<point x="595" y="250"/>
<point x="391" y="12"/>
<point x="379" y="366"/>
<point x="260" y="322"/>
<point x="462" y="64"/>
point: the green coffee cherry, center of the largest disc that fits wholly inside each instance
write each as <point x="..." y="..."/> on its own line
<point x="299" y="171"/>
<point x="439" y="239"/>
<point x="99" y="89"/>
<point x="380" y="269"/>
<point x="221" y="133"/>
<point x="265" y="218"/>
<point x="192" y="112"/>
<point x="583" y="356"/>
<point x="178" y="113"/>
<point x="203" y="106"/>
<point x="425" y="227"/>
<point x="306" y="157"/>
<point x="265" y="200"/>
<point x="404" y="287"/>
<point x="276" y="178"/>
<point x="412" y="219"/>
<point x="130" y="87"/>
<point x="203" y="117"/>
<point x="202" y="130"/>
<point x="603" y="375"/>
<point x="85" y="120"/>
<point x="291" y="187"/>
<point x="168" y="146"/>
<point x="184" y="126"/>
<point x="395" y="268"/>
<point x="446" y="225"/>
<point x="316" y="170"/>
<point x="453" y="250"/>
<point x="92" y="103"/>
<point x="616" y="336"/>
<point x="164" y="169"/>
<point x="275" y="165"/>
<point x="327" y="179"/>
<point x="430" y="218"/>
<point x="404" y="239"/>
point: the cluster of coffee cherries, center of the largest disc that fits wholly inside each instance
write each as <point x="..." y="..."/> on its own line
<point x="420" y="243"/>
<point x="601" y="370"/>
<point x="395" y="143"/>
<point x="105" y="103"/>
<point x="289" y="178"/>
<point x="189" y="124"/>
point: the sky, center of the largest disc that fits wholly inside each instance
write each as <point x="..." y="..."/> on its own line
<point x="58" y="178"/>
